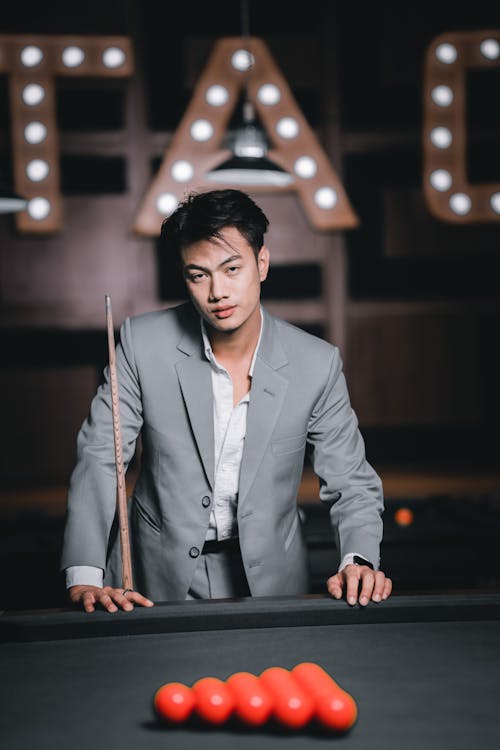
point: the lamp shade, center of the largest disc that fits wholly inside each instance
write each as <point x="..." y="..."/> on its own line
<point x="247" y="170"/>
<point x="249" y="163"/>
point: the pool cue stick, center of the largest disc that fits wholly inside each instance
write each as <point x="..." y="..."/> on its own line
<point x="121" y="492"/>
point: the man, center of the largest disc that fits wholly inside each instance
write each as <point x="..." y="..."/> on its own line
<point x="227" y="399"/>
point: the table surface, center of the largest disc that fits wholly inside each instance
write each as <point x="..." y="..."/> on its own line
<point x="424" y="670"/>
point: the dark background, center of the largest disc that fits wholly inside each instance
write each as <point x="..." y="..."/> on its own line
<point x="411" y="302"/>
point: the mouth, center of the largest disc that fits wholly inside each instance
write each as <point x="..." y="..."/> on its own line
<point x="223" y="312"/>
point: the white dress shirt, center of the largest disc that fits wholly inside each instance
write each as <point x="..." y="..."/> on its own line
<point x="230" y="426"/>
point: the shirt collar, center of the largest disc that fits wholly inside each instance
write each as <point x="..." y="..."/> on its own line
<point x="210" y="355"/>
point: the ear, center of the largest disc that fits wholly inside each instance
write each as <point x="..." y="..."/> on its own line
<point x="263" y="262"/>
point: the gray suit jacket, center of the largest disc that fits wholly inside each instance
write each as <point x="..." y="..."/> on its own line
<point x="298" y="400"/>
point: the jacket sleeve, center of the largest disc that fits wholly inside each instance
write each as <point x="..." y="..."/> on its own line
<point x="348" y="484"/>
<point x="92" y="488"/>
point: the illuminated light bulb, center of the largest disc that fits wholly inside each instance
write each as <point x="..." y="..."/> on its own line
<point x="39" y="208"/>
<point x="216" y="95"/>
<point x="495" y="202"/>
<point x="287" y="127"/>
<point x="460" y="204"/>
<point x="442" y="96"/>
<point x="269" y="94"/>
<point x="182" y="170"/>
<point x="37" y="170"/>
<point x="31" y="56"/>
<point x="113" y="57"/>
<point x="441" y="137"/>
<point x="73" y="56"/>
<point x="33" y="94"/>
<point x="166" y="203"/>
<point x="446" y="53"/>
<point x="35" y="132"/>
<point x="490" y="49"/>
<point x="242" y="60"/>
<point x="325" y="197"/>
<point x="305" y="166"/>
<point x="440" y="180"/>
<point x="201" y="130"/>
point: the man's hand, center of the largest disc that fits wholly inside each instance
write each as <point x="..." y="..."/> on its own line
<point x="362" y="580"/>
<point x="107" y="597"/>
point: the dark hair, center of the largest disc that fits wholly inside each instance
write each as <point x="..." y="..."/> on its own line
<point x="202" y="216"/>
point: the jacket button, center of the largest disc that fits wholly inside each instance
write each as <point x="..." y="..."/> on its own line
<point x="194" y="552"/>
<point x="205" y="501"/>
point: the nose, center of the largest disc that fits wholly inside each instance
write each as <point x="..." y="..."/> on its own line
<point x="218" y="288"/>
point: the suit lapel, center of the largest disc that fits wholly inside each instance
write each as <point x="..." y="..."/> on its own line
<point x="266" y="401"/>
<point x="195" y="380"/>
<point x="267" y="396"/>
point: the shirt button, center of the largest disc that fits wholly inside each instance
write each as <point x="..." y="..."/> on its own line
<point x="205" y="501"/>
<point x="194" y="552"/>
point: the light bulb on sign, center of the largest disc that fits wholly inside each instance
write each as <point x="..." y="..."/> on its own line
<point x="72" y="56"/>
<point x="39" y="208"/>
<point x="325" y="197"/>
<point x="35" y="132"/>
<point x="33" y="94"/>
<point x="31" y="56"/>
<point x="287" y="127"/>
<point x="460" y="204"/>
<point x="216" y="95"/>
<point x="113" y="57"/>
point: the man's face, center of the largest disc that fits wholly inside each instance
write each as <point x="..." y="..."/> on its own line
<point x="223" y="279"/>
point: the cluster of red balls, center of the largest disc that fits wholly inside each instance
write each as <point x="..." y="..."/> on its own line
<point x="293" y="698"/>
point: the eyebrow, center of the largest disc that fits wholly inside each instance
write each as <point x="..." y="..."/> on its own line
<point x="195" y="267"/>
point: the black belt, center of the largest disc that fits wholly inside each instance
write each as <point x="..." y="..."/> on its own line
<point x="225" y="546"/>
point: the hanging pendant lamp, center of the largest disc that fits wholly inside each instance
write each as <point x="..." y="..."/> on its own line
<point x="249" y="163"/>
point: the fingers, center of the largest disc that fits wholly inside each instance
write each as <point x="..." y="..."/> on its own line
<point x="125" y="600"/>
<point x="387" y="588"/>
<point x="84" y="595"/>
<point x="367" y="585"/>
<point x="378" y="588"/>
<point x="334" y="586"/>
<point x="134" y="596"/>
<point x="108" y="598"/>
<point x="92" y="595"/>
<point x="353" y="575"/>
<point x="88" y="601"/>
<point x="361" y="584"/>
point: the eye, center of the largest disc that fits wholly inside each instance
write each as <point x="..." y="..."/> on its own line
<point x="196" y="277"/>
<point x="233" y="269"/>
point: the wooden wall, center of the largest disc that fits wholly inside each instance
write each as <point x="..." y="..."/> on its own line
<point x="412" y="303"/>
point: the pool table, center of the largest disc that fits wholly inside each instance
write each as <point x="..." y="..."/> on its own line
<point x="424" y="670"/>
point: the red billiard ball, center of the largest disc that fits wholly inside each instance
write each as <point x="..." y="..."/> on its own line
<point x="253" y="701"/>
<point x="333" y="707"/>
<point x="292" y="706"/>
<point x="214" y="701"/>
<point x="174" y="702"/>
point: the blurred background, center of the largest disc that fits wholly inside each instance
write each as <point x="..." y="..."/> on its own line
<point x="412" y="301"/>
